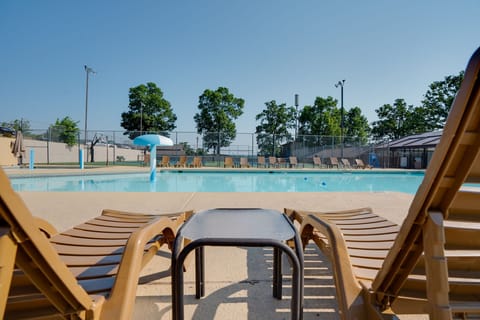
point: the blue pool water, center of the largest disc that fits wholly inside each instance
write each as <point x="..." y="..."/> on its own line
<point x="221" y="181"/>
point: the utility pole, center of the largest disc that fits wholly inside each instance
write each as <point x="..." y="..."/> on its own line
<point x="88" y="70"/>
<point x="296" y="116"/>
<point x="342" y="123"/>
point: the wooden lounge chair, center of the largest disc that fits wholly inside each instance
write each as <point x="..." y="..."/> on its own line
<point x="317" y="162"/>
<point x="431" y="264"/>
<point x="293" y="161"/>
<point x="197" y="162"/>
<point x="260" y="161"/>
<point x="334" y="162"/>
<point x="182" y="162"/>
<point x="244" y="163"/>
<point x="165" y="161"/>
<point x="346" y="163"/>
<point x="228" y="162"/>
<point x="272" y="162"/>
<point x="88" y="272"/>
<point x="359" y="164"/>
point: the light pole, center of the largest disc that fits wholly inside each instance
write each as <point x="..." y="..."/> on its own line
<point x="341" y="83"/>
<point x="296" y="116"/>
<point x="88" y="70"/>
<point x="141" y="118"/>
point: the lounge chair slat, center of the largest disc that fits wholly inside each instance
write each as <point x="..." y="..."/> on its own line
<point x="91" y="250"/>
<point x="91" y="272"/>
<point x="96" y="235"/>
<point x="97" y="285"/>
<point x="63" y="239"/>
<point x="465" y="206"/>
<point x="89" y="227"/>
<point x="370" y="245"/>
<point x="366" y="232"/>
<point x="89" y="260"/>
<point x="116" y="224"/>
<point x="129" y="219"/>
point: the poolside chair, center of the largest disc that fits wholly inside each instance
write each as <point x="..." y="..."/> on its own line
<point x="334" y="162"/>
<point x="228" y="162"/>
<point x="260" y="161"/>
<point x="182" y="162"/>
<point x="272" y="162"/>
<point x="431" y="264"/>
<point x="197" y="162"/>
<point x="346" y="163"/>
<point x="359" y="164"/>
<point x="88" y="272"/>
<point x="244" y="163"/>
<point x="293" y="161"/>
<point x="317" y="162"/>
<point x="165" y="161"/>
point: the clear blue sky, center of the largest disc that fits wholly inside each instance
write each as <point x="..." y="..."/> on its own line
<point x="261" y="50"/>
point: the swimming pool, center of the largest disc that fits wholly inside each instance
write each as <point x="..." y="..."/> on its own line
<point x="227" y="181"/>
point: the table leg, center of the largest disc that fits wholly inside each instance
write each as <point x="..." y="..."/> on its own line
<point x="277" y="273"/>
<point x="177" y="281"/>
<point x="199" y="272"/>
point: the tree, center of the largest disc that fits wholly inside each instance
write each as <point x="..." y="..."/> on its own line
<point x="149" y="112"/>
<point x="215" y="120"/>
<point x="323" y="118"/>
<point x="356" y="126"/>
<point x="395" y="121"/>
<point x="65" y="130"/>
<point x="275" y="121"/>
<point x="320" y="122"/>
<point x="187" y="148"/>
<point x="18" y="125"/>
<point x="438" y="100"/>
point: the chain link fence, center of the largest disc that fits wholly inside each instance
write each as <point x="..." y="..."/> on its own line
<point x="115" y="148"/>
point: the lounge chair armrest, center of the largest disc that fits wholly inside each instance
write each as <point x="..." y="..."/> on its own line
<point x="46" y="227"/>
<point x="125" y="287"/>
<point x="349" y="290"/>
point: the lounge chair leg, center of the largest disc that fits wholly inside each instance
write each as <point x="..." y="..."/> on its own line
<point x="436" y="267"/>
<point x="8" y="251"/>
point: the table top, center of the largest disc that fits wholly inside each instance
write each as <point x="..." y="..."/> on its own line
<point x="238" y="224"/>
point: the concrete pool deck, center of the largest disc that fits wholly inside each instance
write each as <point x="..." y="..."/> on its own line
<point x="238" y="280"/>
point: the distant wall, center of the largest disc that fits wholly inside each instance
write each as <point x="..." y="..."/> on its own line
<point x="6" y="156"/>
<point x="55" y="152"/>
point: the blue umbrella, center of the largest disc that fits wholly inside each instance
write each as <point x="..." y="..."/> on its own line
<point x="152" y="140"/>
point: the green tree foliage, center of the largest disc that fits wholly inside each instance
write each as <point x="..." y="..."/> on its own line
<point x="18" y="125"/>
<point x="322" y="119"/>
<point x="65" y="130"/>
<point x="187" y="148"/>
<point x="321" y="123"/>
<point x="395" y="121"/>
<point x="356" y="126"/>
<point x="401" y="120"/>
<point x="273" y="130"/>
<point x="149" y="112"/>
<point x="438" y="100"/>
<point x="215" y="120"/>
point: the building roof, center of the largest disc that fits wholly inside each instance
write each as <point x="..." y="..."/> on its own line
<point x="422" y="140"/>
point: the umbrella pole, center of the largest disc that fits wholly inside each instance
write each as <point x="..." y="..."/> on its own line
<point x="153" y="162"/>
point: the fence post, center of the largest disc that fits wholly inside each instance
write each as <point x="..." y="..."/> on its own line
<point x="106" y="138"/>
<point x="49" y="137"/>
